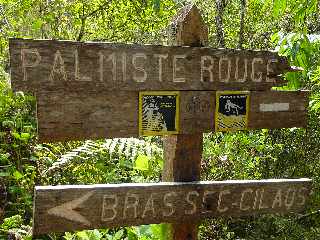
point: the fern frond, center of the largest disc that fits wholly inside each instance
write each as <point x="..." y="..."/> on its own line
<point x="74" y="156"/>
<point x="111" y="149"/>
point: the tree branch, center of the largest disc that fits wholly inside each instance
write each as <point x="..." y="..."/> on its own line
<point x="5" y="18"/>
<point x="308" y="215"/>
<point x="100" y="8"/>
<point x="85" y="17"/>
<point x="220" y="5"/>
<point x="242" y="16"/>
<point x="83" y="24"/>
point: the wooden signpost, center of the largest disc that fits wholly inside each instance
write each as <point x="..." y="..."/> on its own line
<point x="68" y="208"/>
<point x="96" y="90"/>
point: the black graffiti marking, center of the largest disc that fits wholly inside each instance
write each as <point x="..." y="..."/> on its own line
<point x="196" y="105"/>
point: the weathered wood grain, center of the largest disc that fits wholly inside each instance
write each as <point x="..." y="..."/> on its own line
<point x="69" y="208"/>
<point x="52" y="65"/>
<point x="182" y="163"/>
<point x="93" y="115"/>
<point x="183" y="152"/>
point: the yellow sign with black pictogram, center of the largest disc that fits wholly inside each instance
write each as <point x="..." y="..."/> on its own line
<point x="158" y="113"/>
<point x="232" y="110"/>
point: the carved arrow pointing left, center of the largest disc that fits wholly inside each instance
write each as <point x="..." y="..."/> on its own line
<point x="66" y="210"/>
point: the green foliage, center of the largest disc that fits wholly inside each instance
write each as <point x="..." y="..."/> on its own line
<point x="303" y="53"/>
<point x="261" y="228"/>
<point x="14" y="228"/>
<point x="151" y="232"/>
<point x="239" y="156"/>
<point x="12" y="222"/>
<point x="143" y="232"/>
<point x="105" y="161"/>
<point x="17" y="134"/>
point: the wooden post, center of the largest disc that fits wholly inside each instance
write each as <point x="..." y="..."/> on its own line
<point x="3" y="199"/>
<point x="183" y="152"/>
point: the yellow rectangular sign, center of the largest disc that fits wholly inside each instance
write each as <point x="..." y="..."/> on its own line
<point x="232" y="110"/>
<point x="158" y="113"/>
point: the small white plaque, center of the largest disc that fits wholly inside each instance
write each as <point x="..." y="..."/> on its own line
<point x="274" y="107"/>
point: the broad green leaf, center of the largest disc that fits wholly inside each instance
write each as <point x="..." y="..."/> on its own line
<point x="83" y="235"/>
<point x="142" y="163"/>
<point x="118" y="235"/>
<point x="16" y="135"/>
<point x="279" y="7"/>
<point x="68" y="236"/>
<point x="95" y="234"/>
<point x="156" y="5"/>
<point x="8" y="123"/>
<point x="4" y="174"/>
<point x="25" y="136"/>
<point x="275" y="38"/>
<point x="37" y="24"/>
<point x="131" y="233"/>
<point x="11" y="222"/>
<point x="160" y="231"/>
<point x="17" y="175"/>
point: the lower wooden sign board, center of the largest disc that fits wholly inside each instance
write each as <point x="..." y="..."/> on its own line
<point x="69" y="208"/>
<point x="92" y="115"/>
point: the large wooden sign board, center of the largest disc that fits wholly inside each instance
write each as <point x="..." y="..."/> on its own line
<point x="69" y="208"/>
<point x="48" y="65"/>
